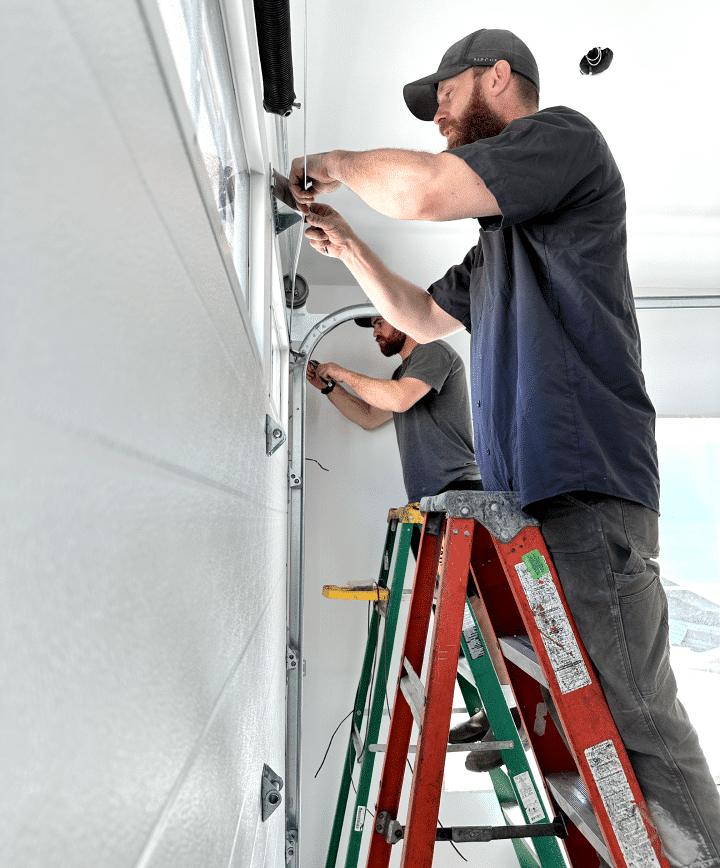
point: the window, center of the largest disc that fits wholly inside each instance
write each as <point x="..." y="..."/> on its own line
<point x="196" y="34"/>
<point x="689" y="451"/>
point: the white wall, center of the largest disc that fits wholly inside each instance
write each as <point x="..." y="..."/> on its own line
<point x="142" y="555"/>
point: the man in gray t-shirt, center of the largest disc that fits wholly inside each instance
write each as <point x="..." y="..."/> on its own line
<point x="427" y="399"/>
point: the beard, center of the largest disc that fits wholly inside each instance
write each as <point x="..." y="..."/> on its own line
<point x="393" y="344"/>
<point x="478" y="121"/>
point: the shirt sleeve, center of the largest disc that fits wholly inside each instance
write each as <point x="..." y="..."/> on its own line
<point x="452" y="292"/>
<point x="540" y="164"/>
<point x="431" y="363"/>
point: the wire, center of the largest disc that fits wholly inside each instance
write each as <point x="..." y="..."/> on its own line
<point x="331" y="741"/>
<point x="318" y="464"/>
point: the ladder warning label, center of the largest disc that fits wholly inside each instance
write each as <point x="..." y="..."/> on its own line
<point x="359" y="818"/>
<point x="529" y="798"/>
<point x="552" y="621"/>
<point x="471" y="635"/>
<point x="623" y="812"/>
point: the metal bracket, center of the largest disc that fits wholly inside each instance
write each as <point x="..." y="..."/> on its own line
<point x="291" y="659"/>
<point x="497" y="511"/>
<point x="275" y="435"/>
<point x="281" y="190"/>
<point x="270" y="791"/>
<point x="294" y="478"/>
<point x="390" y="829"/>
<point x="290" y="846"/>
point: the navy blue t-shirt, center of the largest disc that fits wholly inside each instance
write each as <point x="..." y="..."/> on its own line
<point x="558" y="396"/>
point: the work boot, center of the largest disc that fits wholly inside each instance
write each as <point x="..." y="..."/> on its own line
<point x="486" y="760"/>
<point x="469" y="730"/>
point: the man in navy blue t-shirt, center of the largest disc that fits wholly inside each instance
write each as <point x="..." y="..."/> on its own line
<point x="560" y="410"/>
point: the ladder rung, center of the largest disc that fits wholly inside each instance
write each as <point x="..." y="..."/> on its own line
<point x="338" y="592"/>
<point x="456" y="748"/>
<point x="357" y="742"/>
<point x="413" y="690"/>
<point x="519" y="651"/>
<point x="569" y="792"/>
<point x="465" y="670"/>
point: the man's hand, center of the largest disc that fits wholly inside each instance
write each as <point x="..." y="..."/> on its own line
<point x="317" y="173"/>
<point x="311" y="375"/>
<point x="328" y="232"/>
<point x="322" y="375"/>
<point x="331" y="371"/>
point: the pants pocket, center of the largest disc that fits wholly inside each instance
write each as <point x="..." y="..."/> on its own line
<point x="644" y="617"/>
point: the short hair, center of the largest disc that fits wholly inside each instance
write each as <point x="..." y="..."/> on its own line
<point x="527" y="92"/>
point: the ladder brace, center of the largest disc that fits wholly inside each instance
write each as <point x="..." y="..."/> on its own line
<point x="393" y="831"/>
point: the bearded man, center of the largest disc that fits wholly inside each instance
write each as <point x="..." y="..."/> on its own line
<point x="561" y="413"/>
<point x="426" y="398"/>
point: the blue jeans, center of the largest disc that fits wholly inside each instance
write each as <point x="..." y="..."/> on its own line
<point x="603" y="549"/>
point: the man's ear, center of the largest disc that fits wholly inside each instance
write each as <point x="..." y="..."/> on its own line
<point x="500" y="77"/>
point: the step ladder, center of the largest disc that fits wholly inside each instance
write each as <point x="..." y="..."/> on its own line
<point x="387" y="594"/>
<point x="479" y="670"/>
<point x="574" y="739"/>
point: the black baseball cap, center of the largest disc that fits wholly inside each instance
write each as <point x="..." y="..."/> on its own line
<point x="481" y="48"/>
<point x="365" y="321"/>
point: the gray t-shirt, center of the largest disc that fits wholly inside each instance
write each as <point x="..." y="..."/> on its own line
<point x="435" y="435"/>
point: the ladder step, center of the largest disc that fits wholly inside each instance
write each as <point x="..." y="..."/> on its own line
<point x="338" y="592"/>
<point x="519" y="650"/>
<point x="569" y="792"/>
<point x="413" y="690"/>
<point x="456" y="748"/>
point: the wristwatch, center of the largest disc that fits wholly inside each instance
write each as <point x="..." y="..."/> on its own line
<point x="330" y="386"/>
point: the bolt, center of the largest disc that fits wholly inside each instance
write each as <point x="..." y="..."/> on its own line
<point x="467" y="533"/>
<point x="277" y="433"/>
<point x="273" y="798"/>
<point x="454" y="532"/>
<point x="465" y="510"/>
<point x="494" y="507"/>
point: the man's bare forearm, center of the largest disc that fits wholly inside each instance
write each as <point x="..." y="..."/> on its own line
<point x="392" y="181"/>
<point x="405" y="305"/>
<point x="356" y="410"/>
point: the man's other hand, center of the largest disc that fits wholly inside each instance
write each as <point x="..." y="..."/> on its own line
<point x="311" y="375"/>
<point x="328" y="232"/>
<point x="317" y="173"/>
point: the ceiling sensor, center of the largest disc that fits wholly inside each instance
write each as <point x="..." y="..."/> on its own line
<point x="596" y="61"/>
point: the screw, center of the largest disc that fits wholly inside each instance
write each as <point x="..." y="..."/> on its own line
<point x="467" y="533"/>
<point x="277" y="433"/>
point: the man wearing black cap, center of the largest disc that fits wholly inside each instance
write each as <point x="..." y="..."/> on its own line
<point x="427" y="400"/>
<point x="560" y="409"/>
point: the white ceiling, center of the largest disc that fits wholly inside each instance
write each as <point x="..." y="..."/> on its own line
<point x="656" y="106"/>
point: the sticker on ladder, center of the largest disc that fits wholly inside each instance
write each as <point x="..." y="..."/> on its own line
<point x="624" y="814"/>
<point x="529" y="798"/>
<point x="359" y="818"/>
<point x="471" y="635"/>
<point x="552" y="622"/>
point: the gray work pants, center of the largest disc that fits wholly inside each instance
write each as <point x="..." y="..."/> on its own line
<point x="603" y="549"/>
